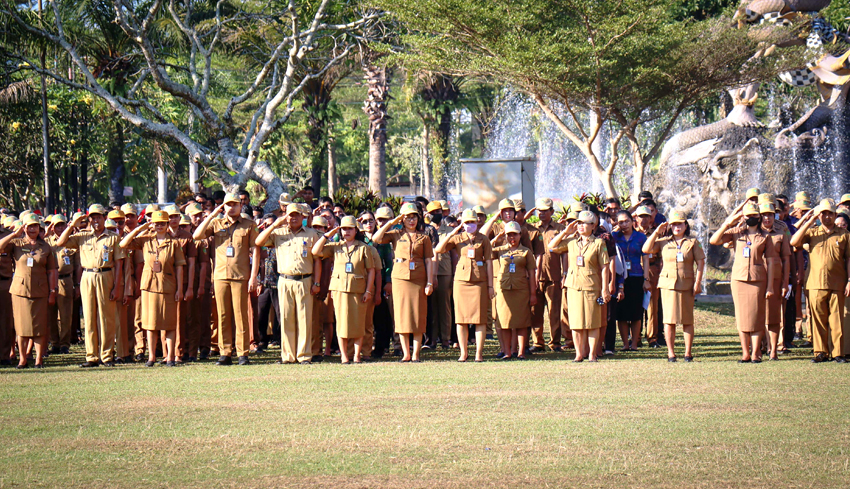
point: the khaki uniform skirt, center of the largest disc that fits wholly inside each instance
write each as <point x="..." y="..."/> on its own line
<point x="410" y="306"/>
<point x="471" y="300"/>
<point x="583" y="311"/>
<point x="350" y="313"/>
<point x="677" y="306"/>
<point x="159" y="311"/>
<point x="513" y="308"/>
<point x="31" y="316"/>
<point x="773" y="312"/>
<point x="749" y="305"/>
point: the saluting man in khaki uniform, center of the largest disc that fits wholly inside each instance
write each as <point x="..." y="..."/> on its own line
<point x="61" y="313"/>
<point x="829" y="255"/>
<point x="101" y="285"/>
<point x="299" y="271"/>
<point x="549" y="276"/>
<point x="234" y="238"/>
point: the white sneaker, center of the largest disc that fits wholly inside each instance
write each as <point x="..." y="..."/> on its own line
<point x="609" y="353"/>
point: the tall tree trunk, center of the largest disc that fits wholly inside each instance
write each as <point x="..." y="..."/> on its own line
<point x="442" y="156"/>
<point x="193" y="165"/>
<point x="375" y="107"/>
<point x="75" y="188"/>
<point x="115" y="157"/>
<point x="333" y="180"/>
<point x="425" y="187"/>
<point x="161" y="174"/>
<point x="49" y="204"/>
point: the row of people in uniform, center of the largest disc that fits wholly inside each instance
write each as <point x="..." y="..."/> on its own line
<point x="508" y="270"/>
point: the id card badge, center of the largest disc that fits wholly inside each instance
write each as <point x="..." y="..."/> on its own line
<point x="680" y="257"/>
<point x="470" y="252"/>
<point x="105" y="256"/>
<point x="579" y="261"/>
<point x="304" y="252"/>
<point x="157" y="266"/>
<point x="412" y="265"/>
<point x="512" y="268"/>
<point x="349" y="268"/>
<point x="628" y="265"/>
<point x="30" y="261"/>
<point x="230" y="252"/>
<point x="67" y="260"/>
<point x="746" y="251"/>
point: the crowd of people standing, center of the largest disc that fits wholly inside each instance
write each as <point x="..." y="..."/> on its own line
<point x="217" y="279"/>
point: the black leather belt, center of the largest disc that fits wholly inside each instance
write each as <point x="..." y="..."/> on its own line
<point x="295" y="277"/>
<point x="97" y="270"/>
<point x="65" y="276"/>
<point x="5" y="278"/>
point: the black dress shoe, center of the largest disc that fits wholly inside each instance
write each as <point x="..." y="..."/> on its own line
<point x="689" y="359"/>
<point x="21" y="367"/>
<point x="224" y="360"/>
<point x="140" y="357"/>
<point x="203" y="356"/>
<point x="191" y="359"/>
<point x="744" y="361"/>
<point x="109" y="364"/>
<point x="89" y="365"/>
<point x="244" y="361"/>
<point x="819" y="358"/>
<point x="317" y="358"/>
<point x="416" y="361"/>
<point x="6" y="363"/>
<point x="671" y="359"/>
<point x="172" y="363"/>
<point x="306" y="362"/>
<point x="54" y="350"/>
<point x="756" y="360"/>
<point x="839" y="360"/>
<point x="119" y="360"/>
<point x="38" y="365"/>
<point x="557" y="349"/>
<point x="150" y="363"/>
<point x="537" y="349"/>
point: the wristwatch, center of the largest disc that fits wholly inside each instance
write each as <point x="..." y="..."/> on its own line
<point x="316" y="284"/>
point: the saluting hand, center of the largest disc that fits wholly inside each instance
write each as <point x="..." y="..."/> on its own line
<point x="18" y="232"/>
<point x="571" y="228"/>
<point x="332" y="232"/>
<point x="78" y="218"/>
<point x="661" y="228"/>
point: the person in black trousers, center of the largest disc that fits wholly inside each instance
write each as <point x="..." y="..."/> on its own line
<point x="267" y="303"/>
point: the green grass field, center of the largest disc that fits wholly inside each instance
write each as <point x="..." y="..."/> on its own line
<point x="629" y="421"/>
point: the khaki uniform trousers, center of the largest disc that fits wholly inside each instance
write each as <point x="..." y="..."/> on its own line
<point x="652" y="313"/>
<point x="100" y="315"/>
<point x="548" y="298"/>
<point x="126" y="328"/>
<point x="232" y="306"/>
<point x="826" y="309"/>
<point x="7" y="323"/>
<point x="138" y="332"/>
<point x="845" y="326"/>
<point x="296" y="324"/>
<point x="61" y="314"/>
<point x="193" y="326"/>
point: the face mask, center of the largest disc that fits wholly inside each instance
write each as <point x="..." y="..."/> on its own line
<point x="436" y="218"/>
<point x="753" y="221"/>
<point x="470" y="227"/>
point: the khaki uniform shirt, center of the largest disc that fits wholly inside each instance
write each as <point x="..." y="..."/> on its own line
<point x="7" y="263"/>
<point x="67" y="259"/>
<point x="781" y="239"/>
<point x="239" y="234"/>
<point x="523" y="260"/>
<point x="550" y="263"/>
<point x="190" y="250"/>
<point x="360" y="258"/>
<point x="170" y="255"/>
<point x="471" y="268"/>
<point x="444" y="260"/>
<point x="761" y="251"/>
<point x="294" y="250"/>
<point x="595" y="256"/>
<point x="31" y="281"/>
<point x="97" y="251"/>
<point x="677" y="275"/>
<point x="407" y="250"/>
<point x="828" y="252"/>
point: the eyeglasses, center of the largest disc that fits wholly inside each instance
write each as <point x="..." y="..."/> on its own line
<point x="367" y="221"/>
<point x="411" y="216"/>
<point x="623" y="223"/>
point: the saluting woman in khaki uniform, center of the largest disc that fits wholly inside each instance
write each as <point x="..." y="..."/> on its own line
<point x="473" y="284"/>
<point x="752" y="279"/>
<point x="516" y="289"/>
<point x="33" y="288"/>
<point x="162" y="283"/>
<point x="775" y="307"/>
<point x="677" y="282"/>
<point x="352" y="283"/>
<point x="588" y="260"/>
<point x="413" y="277"/>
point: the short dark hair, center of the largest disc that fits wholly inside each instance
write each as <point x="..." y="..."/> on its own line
<point x="247" y="209"/>
<point x="611" y="200"/>
<point x="218" y="195"/>
<point x="782" y="197"/>
<point x="243" y="192"/>
<point x="327" y="199"/>
<point x="645" y="195"/>
<point x="308" y="187"/>
<point x="269" y="216"/>
<point x="201" y="195"/>
<point x="624" y="213"/>
<point x="650" y="202"/>
<point x="421" y="199"/>
<point x="842" y="216"/>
